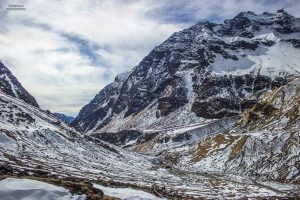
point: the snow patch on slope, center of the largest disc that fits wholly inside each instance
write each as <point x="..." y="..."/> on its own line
<point x="126" y="193"/>
<point x="272" y="62"/>
<point x="26" y="189"/>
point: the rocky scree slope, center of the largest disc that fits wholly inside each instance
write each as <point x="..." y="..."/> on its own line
<point x="11" y="86"/>
<point x="205" y="72"/>
<point x="33" y="141"/>
<point x="30" y="137"/>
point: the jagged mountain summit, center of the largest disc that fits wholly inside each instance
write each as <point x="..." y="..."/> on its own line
<point x="205" y="72"/>
<point x="12" y="87"/>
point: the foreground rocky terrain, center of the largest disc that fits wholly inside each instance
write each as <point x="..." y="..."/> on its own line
<point x="212" y="113"/>
<point x="34" y="142"/>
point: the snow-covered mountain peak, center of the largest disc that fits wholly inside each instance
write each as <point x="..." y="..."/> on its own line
<point x="203" y="72"/>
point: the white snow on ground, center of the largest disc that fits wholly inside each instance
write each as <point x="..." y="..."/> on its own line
<point x="26" y="189"/>
<point x="126" y="193"/>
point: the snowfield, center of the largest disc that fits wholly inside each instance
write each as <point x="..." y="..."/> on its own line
<point x="126" y="193"/>
<point x="26" y="189"/>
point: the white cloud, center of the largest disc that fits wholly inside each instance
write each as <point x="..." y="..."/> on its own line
<point x="64" y="52"/>
<point x="54" y="68"/>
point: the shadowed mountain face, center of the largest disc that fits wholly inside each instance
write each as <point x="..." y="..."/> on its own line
<point x="204" y="72"/>
<point x="10" y="85"/>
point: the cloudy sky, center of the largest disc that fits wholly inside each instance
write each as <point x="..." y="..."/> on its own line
<point x="64" y="52"/>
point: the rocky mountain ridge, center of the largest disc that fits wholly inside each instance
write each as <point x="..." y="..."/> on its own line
<point x="11" y="86"/>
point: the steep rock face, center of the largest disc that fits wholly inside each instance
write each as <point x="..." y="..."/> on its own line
<point x="10" y="85"/>
<point x="203" y="72"/>
<point x="94" y="112"/>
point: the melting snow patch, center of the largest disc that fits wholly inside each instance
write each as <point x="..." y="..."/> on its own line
<point x="126" y="193"/>
<point x="26" y="189"/>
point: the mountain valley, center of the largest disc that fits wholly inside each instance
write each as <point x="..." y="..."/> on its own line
<point x="211" y="113"/>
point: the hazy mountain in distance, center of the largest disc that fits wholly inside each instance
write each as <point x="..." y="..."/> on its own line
<point x="65" y="118"/>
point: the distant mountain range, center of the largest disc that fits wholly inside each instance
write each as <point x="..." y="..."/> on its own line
<point x="65" y="118"/>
